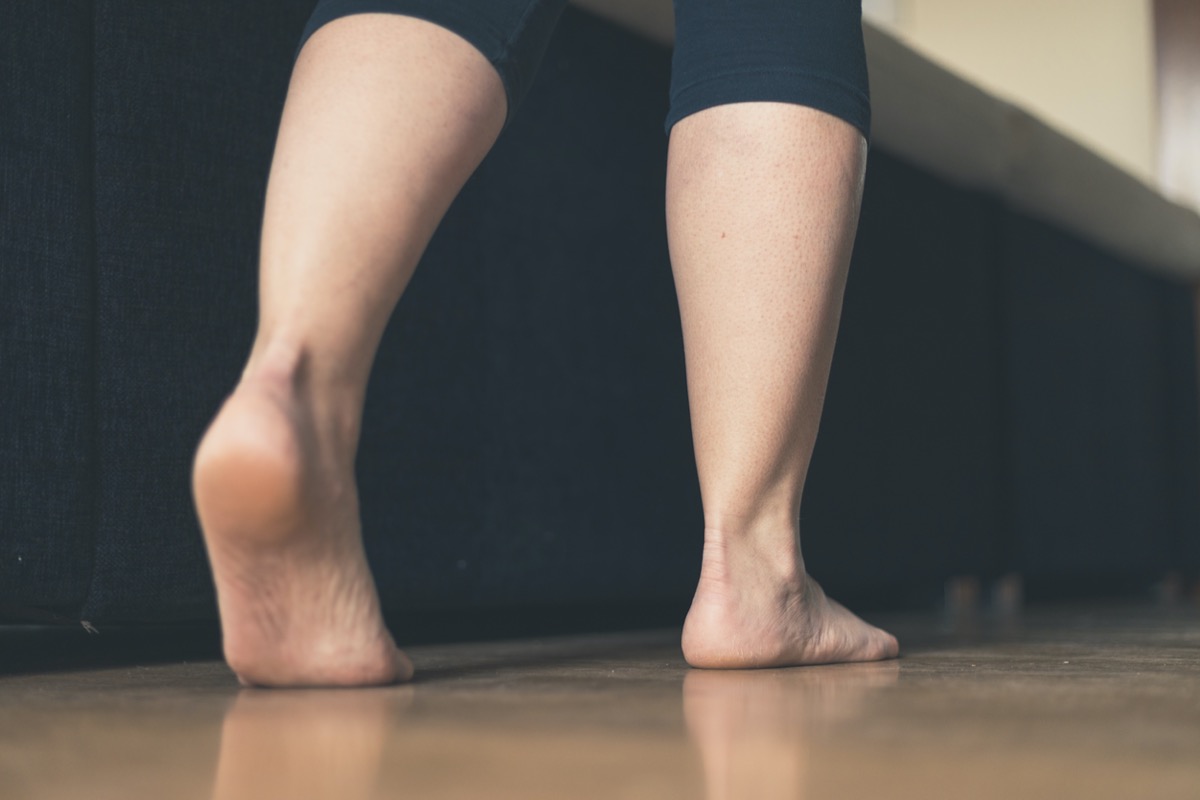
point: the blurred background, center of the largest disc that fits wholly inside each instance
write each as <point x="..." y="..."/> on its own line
<point x="1013" y="410"/>
<point x="1120" y="76"/>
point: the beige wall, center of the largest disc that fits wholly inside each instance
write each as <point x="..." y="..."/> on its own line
<point x="1084" y="66"/>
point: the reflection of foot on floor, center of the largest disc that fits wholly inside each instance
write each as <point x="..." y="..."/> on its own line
<point x="751" y="612"/>
<point x="751" y="726"/>
<point x="274" y="488"/>
<point x="298" y="745"/>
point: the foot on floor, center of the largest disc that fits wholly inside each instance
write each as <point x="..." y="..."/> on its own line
<point x="277" y="501"/>
<point x="755" y="607"/>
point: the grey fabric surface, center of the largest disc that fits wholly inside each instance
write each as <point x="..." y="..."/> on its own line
<point x="1092" y="425"/>
<point x="47" y="311"/>
<point x="908" y="465"/>
<point x="187" y="101"/>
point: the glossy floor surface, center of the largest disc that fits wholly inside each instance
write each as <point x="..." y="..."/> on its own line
<point x="1101" y="702"/>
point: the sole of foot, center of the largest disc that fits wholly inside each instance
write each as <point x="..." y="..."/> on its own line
<point x="279" y="511"/>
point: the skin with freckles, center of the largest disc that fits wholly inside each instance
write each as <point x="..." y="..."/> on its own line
<point x="386" y="117"/>
<point x="762" y="207"/>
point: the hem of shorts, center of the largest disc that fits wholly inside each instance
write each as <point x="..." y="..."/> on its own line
<point x="487" y="41"/>
<point x="819" y="91"/>
<point x="505" y="59"/>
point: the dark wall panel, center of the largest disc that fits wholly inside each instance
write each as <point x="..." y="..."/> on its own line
<point x="1093" y="457"/>
<point x="591" y="487"/>
<point x="187" y="102"/>
<point x="1184" y="434"/>
<point x="907" y="467"/>
<point x="526" y="439"/>
<point x="46" y="313"/>
<point x="420" y="461"/>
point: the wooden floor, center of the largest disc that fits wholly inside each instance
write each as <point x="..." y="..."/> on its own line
<point x="1098" y="702"/>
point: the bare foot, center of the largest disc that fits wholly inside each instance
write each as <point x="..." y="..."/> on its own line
<point x="275" y="492"/>
<point x="757" y="608"/>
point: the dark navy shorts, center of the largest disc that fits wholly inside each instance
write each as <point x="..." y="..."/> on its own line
<point x="808" y="52"/>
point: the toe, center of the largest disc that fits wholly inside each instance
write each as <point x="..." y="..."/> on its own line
<point x="890" y="645"/>
<point x="404" y="667"/>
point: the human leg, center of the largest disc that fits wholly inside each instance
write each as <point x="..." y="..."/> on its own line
<point x="762" y="202"/>
<point x="762" y="207"/>
<point x="386" y="117"/>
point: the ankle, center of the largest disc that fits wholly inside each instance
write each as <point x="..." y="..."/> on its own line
<point x="772" y="513"/>
<point x="333" y="405"/>
<point x="303" y="359"/>
<point x="279" y="359"/>
<point x="774" y="528"/>
<point x="753" y="553"/>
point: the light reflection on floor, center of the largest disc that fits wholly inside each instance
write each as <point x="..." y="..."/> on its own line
<point x="1101" y="702"/>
